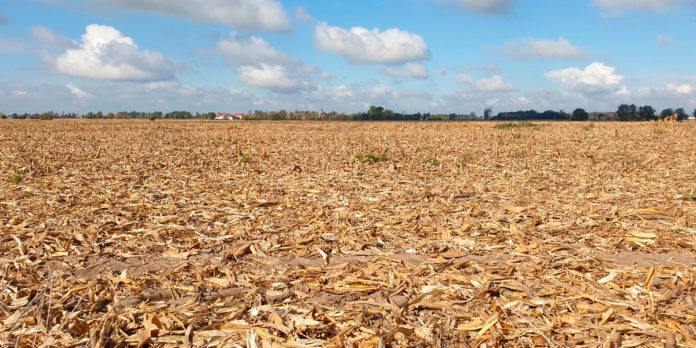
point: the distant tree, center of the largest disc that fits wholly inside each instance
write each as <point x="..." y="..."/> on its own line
<point x="90" y="115"/>
<point x="487" y="113"/>
<point x="3" y="116"/>
<point x="110" y="115"/>
<point x="646" y="113"/>
<point x="46" y="116"/>
<point x="119" y="115"/>
<point x="579" y="115"/>
<point x="624" y="112"/>
<point x="666" y="113"/>
<point x="694" y="114"/>
<point x="633" y="112"/>
<point x="681" y="114"/>
<point x="99" y="115"/>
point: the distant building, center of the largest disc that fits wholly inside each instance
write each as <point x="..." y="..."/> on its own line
<point x="227" y="117"/>
<point x="691" y="118"/>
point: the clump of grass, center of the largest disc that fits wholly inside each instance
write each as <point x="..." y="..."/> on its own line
<point x="513" y="125"/>
<point x="589" y="127"/>
<point x="371" y="158"/>
<point x="659" y="131"/>
<point x="432" y="162"/>
<point x="16" y="177"/>
<point x="243" y="158"/>
<point x="691" y="197"/>
<point x="465" y="159"/>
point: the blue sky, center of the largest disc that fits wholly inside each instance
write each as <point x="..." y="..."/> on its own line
<point x="409" y="55"/>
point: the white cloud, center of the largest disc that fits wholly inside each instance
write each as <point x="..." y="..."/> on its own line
<point x="360" y="45"/>
<point x="664" y="40"/>
<point x="51" y="39"/>
<point x="342" y="92"/>
<point x="410" y="71"/>
<point x="596" y="77"/>
<point x="274" y="77"/>
<point x="76" y="91"/>
<point x="240" y="14"/>
<point x="303" y="15"/>
<point x="381" y="90"/>
<point x="106" y="54"/>
<point x="541" y="48"/>
<point x="618" y="7"/>
<point x="252" y="50"/>
<point x="464" y="78"/>
<point x="493" y="84"/>
<point x="680" y="89"/>
<point x="3" y="19"/>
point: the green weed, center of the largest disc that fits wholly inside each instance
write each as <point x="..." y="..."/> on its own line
<point x="432" y="162"/>
<point x="16" y="177"/>
<point x="243" y="158"/>
<point x="513" y="125"/>
<point x="371" y="158"/>
<point x="691" y="197"/>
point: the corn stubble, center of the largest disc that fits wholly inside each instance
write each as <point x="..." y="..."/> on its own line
<point x="133" y="233"/>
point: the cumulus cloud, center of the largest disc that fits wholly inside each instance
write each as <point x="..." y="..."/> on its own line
<point x="596" y="77"/>
<point x="363" y="46"/>
<point x="106" y="54"/>
<point x="240" y="14"/>
<point x="541" y="48"/>
<point x="680" y="89"/>
<point x="493" y="84"/>
<point x="618" y="7"/>
<point x="274" y="77"/>
<point x="252" y="50"/>
<point x="664" y="40"/>
<point x="51" y="39"/>
<point x="410" y="71"/>
<point x="78" y="92"/>
<point x="3" y="19"/>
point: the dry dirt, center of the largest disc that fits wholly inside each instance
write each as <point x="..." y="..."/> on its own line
<point x="227" y="234"/>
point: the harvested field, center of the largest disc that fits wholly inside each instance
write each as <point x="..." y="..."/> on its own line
<point x="204" y="234"/>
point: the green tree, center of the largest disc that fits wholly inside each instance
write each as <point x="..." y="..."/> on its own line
<point x="681" y="114"/>
<point x="110" y="115"/>
<point x="624" y="112"/>
<point x="646" y="113"/>
<point x="666" y="113"/>
<point x="633" y="111"/>
<point x="579" y="115"/>
<point x="99" y="115"/>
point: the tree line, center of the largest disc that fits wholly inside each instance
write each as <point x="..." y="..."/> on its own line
<point x="625" y="112"/>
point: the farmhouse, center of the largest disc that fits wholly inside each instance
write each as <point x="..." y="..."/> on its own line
<point x="224" y="116"/>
